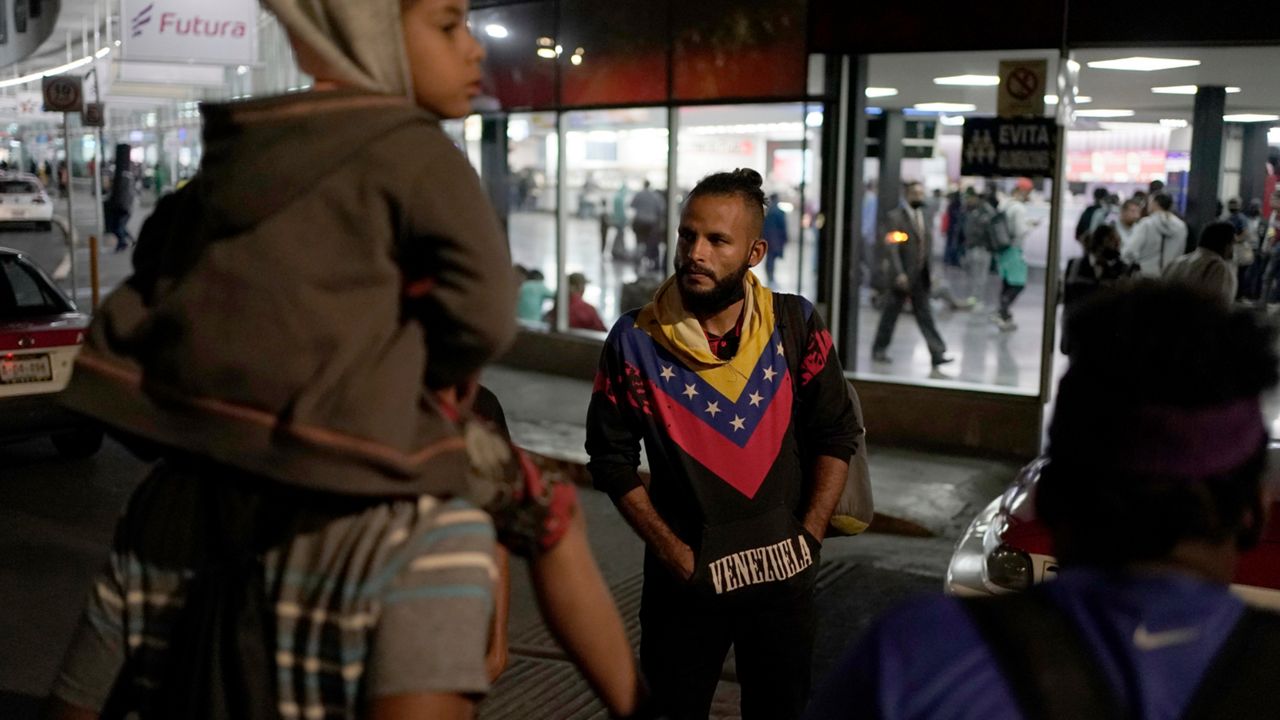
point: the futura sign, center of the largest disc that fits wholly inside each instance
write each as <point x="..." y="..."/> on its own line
<point x="223" y="33"/>
<point x="999" y="147"/>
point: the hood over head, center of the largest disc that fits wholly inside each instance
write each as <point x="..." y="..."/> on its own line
<point x="360" y="44"/>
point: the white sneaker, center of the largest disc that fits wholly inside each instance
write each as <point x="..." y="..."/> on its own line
<point x="1006" y="325"/>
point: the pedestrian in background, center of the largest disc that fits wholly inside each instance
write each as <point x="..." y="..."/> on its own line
<point x="775" y="233"/>
<point x="908" y="242"/>
<point x="1208" y="268"/>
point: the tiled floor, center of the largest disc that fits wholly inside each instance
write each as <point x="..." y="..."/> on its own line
<point x="985" y="355"/>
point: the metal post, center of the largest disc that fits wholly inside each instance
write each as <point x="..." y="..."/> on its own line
<point x="1048" y="344"/>
<point x="561" y="319"/>
<point x="97" y="164"/>
<point x="673" y="208"/>
<point x="94" y="284"/>
<point x="71" y="217"/>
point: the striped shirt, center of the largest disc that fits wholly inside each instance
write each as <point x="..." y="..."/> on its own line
<point x="371" y="598"/>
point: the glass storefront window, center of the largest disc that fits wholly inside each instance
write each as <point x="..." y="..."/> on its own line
<point x="533" y="156"/>
<point x="615" y="234"/>
<point x="942" y="302"/>
<point x="1142" y="128"/>
<point x="780" y="141"/>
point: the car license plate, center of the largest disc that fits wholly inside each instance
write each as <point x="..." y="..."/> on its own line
<point x="25" y="368"/>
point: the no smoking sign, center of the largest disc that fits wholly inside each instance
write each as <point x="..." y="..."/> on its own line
<point x="63" y="93"/>
<point x="1022" y="84"/>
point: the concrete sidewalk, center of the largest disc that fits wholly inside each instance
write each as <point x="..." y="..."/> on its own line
<point x="859" y="577"/>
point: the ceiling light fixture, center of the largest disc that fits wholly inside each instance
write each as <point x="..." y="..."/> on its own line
<point x="951" y="120"/>
<point x="1105" y="113"/>
<point x="968" y="80"/>
<point x="879" y="92"/>
<point x="1080" y="99"/>
<point x="74" y="65"/>
<point x="1143" y="64"/>
<point x="945" y="107"/>
<point x="1250" y="117"/>
<point x="1184" y="90"/>
<point x="495" y="30"/>
<point x="1173" y="123"/>
<point x="546" y="52"/>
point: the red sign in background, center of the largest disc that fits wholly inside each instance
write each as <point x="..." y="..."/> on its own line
<point x="1115" y="165"/>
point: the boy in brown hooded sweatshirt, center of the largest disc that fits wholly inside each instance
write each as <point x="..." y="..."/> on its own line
<point x="298" y="345"/>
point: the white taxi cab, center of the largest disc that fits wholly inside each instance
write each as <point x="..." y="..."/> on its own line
<point x="40" y="334"/>
<point x="24" y="201"/>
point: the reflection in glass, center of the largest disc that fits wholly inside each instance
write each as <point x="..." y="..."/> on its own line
<point x="732" y="49"/>
<point x="966" y="301"/>
<point x="615" y="236"/>
<point x="613" y="53"/>
<point x="520" y="57"/>
<point x="533" y="153"/>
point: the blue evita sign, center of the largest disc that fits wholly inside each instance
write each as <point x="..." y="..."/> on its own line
<point x="999" y="147"/>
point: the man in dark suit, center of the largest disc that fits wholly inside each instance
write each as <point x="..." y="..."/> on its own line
<point x="908" y="242"/>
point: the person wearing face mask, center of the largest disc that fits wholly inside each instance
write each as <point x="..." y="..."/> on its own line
<point x="908" y="244"/>
<point x="1101" y="266"/>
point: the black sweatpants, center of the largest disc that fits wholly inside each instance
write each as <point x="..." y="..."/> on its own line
<point x="685" y="635"/>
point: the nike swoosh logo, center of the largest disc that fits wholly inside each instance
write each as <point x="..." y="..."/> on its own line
<point x="1148" y="641"/>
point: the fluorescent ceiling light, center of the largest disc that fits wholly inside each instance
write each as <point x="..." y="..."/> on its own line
<point x="1105" y="113"/>
<point x="813" y="119"/>
<point x="1080" y="99"/>
<point x="945" y="107"/>
<point x="951" y="120"/>
<point x="74" y="65"/>
<point x="879" y="92"/>
<point x="495" y="30"/>
<point x="1184" y="90"/>
<point x="1122" y="126"/>
<point x="1143" y="64"/>
<point x="969" y="80"/>
<point x="1175" y="123"/>
<point x="1250" y="117"/>
<point x="575" y="59"/>
<point x="546" y="52"/>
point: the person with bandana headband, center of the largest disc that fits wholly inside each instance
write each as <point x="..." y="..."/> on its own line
<point x="1153" y="485"/>
<point x="749" y="425"/>
<point x="298" y="346"/>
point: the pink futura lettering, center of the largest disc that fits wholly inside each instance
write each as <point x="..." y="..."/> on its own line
<point x="172" y="23"/>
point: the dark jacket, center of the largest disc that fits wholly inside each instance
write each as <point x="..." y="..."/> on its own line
<point x="910" y="257"/>
<point x="290" y="307"/>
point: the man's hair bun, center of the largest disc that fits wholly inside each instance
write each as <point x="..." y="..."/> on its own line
<point x="748" y="177"/>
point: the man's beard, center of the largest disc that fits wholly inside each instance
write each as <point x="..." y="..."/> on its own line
<point x="724" y="293"/>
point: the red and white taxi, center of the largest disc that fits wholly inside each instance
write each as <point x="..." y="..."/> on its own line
<point x="40" y="334"/>
<point x="1007" y="549"/>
